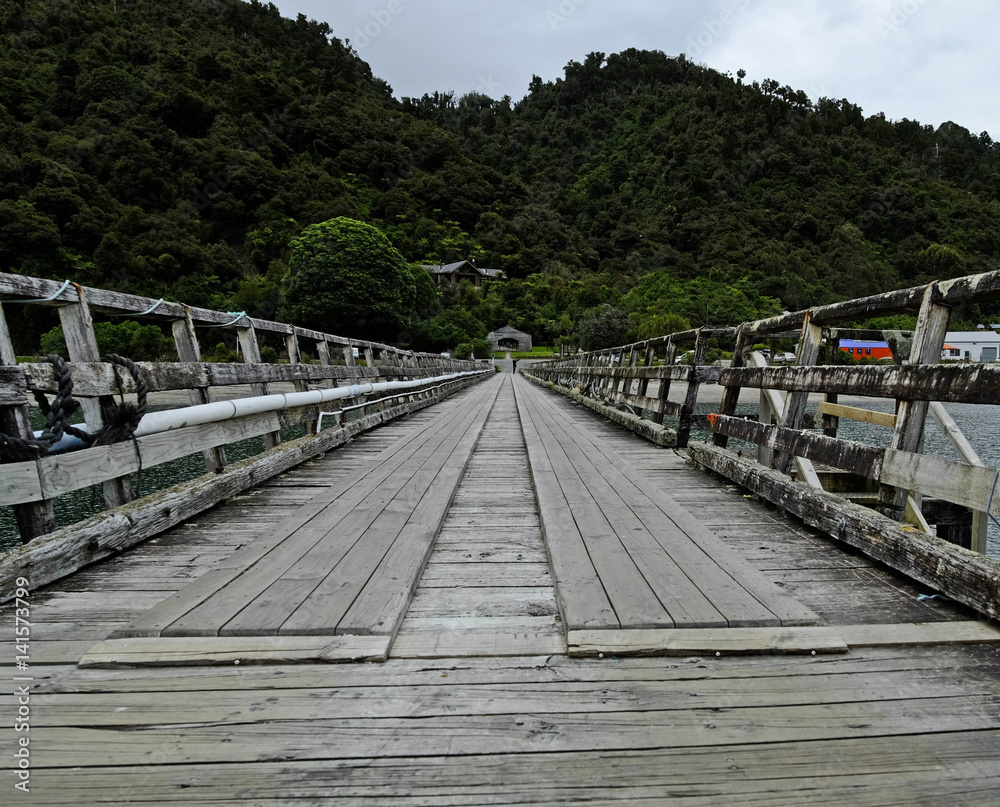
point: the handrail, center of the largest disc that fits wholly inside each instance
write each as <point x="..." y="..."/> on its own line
<point x="619" y="377"/>
<point x="31" y="486"/>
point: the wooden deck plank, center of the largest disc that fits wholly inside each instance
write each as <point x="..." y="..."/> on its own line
<point x="710" y="570"/>
<point x="630" y="593"/>
<point x="716" y="641"/>
<point x="583" y="602"/>
<point x="651" y="541"/>
<point x="264" y="597"/>
<point x="187" y="651"/>
<point x="727" y="577"/>
<point x="207" y="606"/>
<point x="346" y="494"/>
<point x="480" y="732"/>
<point x="369" y="591"/>
<point x="956" y="770"/>
<point x="474" y="610"/>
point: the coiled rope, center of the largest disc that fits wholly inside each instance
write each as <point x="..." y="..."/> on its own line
<point x="14" y="448"/>
<point x="122" y="418"/>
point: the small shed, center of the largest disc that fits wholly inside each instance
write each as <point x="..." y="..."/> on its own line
<point x="508" y="338"/>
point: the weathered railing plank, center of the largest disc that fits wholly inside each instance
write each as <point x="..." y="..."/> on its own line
<point x="952" y="383"/>
<point x="95" y="382"/>
<point x="959" y="573"/>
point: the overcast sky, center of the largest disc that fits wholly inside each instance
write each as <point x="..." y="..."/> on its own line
<point x="929" y="60"/>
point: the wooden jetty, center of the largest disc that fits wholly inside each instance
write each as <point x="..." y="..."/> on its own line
<point x="485" y="592"/>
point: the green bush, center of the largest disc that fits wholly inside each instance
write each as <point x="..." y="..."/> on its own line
<point x="130" y="339"/>
<point x="345" y="277"/>
<point x="221" y="354"/>
<point x="482" y="348"/>
<point x="462" y="351"/>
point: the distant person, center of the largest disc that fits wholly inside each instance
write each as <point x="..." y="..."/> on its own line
<point x="513" y="365"/>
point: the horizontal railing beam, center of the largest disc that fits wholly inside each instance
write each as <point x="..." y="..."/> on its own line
<point x="978" y="384"/>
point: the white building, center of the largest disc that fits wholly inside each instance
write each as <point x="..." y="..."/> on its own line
<point x="975" y="346"/>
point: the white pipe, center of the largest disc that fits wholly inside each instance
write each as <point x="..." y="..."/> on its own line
<point x="158" y="422"/>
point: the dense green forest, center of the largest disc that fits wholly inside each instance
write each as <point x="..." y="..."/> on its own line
<point x="178" y="149"/>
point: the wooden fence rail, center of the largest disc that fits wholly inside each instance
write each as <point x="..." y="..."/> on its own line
<point x="29" y="487"/>
<point x="909" y="486"/>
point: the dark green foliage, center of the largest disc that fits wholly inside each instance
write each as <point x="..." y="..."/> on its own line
<point x="604" y="327"/>
<point x="127" y="338"/>
<point x="345" y="277"/>
<point x="176" y="149"/>
<point x="481" y="348"/>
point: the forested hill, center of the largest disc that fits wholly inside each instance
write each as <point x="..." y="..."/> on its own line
<point x="665" y="165"/>
<point x="174" y="149"/>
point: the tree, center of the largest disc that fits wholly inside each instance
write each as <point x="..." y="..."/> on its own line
<point x="345" y="277"/>
<point x="603" y="327"/>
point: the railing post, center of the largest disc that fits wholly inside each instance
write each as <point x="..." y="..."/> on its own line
<point x="810" y="343"/>
<point x="251" y="355"/>
<point x="350" y="361"/>
<point x="81" y="344"/>
<point x="663" y="387"/>
<point x="189" y="351"/>
<point x="731" y="395"/>
<point x="301" y="385"/>
<point x="633" y="360"/>
<point x="36" y="518"/>
<point x="648" y="361"/>
<point x="694" y="382"/>
<point x="928" y="340"/>
<point x="323" y="352"/>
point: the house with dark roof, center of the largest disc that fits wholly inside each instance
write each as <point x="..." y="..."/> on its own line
<point x="508" y="338"/>
<point x="453" y="273"/>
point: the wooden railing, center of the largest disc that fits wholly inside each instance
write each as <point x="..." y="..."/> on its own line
<point x="30" y="487"/>
<point x="906" y="486"/>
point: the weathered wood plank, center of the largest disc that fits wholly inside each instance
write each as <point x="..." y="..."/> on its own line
<point x="927" y="633"/>
<point x="963" y="575"/>
<point x="742" y="595"/>
<point x="848" y="455"/>
<point x="971" y="486"/>
<point x="631" y="594"/>
<point x="582" y="599"/>
<point x="952" y="383"/>
<point x="857" y="414"/>
<point x="381" y="604"/>
<point x="240" y="598"/>
<point x="63" y="552"/>
<point x="64" y="473"/>
<point x="163" y="651"/>
<point x="714" y="641"/>
<point x="490" y="733"/>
